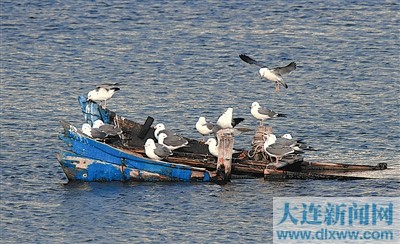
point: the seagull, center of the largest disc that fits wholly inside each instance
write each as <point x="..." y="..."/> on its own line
<point x="172" y="142"/>
<point x="155" y="150"/>
<point x="274" y="75"/>
<point x="93" y="132"/>
<point x="203" y="127"/>
<point x="161" y="128"/>
<point x="273" y="149"/>
<point x="263" y="113"/>
<point x="299" y="143"/>
<point x="226" y="120"/>
<point x="107" y="128"/>
<point x="213" y="147"/>
<point x="278" y="152"/>
<point x="298" y="146"/>
<point x="102" y="93"/>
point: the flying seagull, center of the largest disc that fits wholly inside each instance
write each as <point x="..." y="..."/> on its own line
<point x="155" y="150"/>
<point x="102" y="93"/>
<point x="274" y="75"/>
<point x="263" y="113"/>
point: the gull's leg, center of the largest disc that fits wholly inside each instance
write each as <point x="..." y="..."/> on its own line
<point x="277" y="87"/>
<point x="277" y="161"/>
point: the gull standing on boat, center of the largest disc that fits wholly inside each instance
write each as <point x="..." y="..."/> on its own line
<point x="263" y="113"/>
<point x="107" y="128"/>
<point x="275" y="150"/>
<point x="213" y="147"/>
<point x="160" y="128"/>
<point x="297" y="146"/>
<point x="102" y="93"/>
<point x="94" y="133"/>
<point x="155" y="150"/>
<point x="274" y="75"/>
<point x="204" y="127"/>
<point x="226" y="120"/>
<point x="172" y="142"/>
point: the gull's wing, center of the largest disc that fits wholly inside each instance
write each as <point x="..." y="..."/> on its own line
<point x="267" y="111"/>
<point x="175" y="140"/>
<point x="236" y="121"/>
<point x="284" y="70"/>
<point x="162" y="151"/>
<point x="107" y="85"/>
<point x="111" y="86"/>
<point x="249" y="60"/>
<point x="209" y="125"/>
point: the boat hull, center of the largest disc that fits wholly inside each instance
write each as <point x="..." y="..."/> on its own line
<point x="90" y="160"/>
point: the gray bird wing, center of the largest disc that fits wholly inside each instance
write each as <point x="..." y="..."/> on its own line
<point x="96" y="133"/>
<point x="167" y="132"/>
<point x="209" y="125"/>
<point x="284" y="70"/>
<point x="175" y="140"/>
<point x="110" y="130"/>
<point x="215" y="129"/>
<point x="162" y="151"/>
<point x="286" y="142"/>
<point x="249" y="60"/>
<point x="279" y="151"/>
<point x="267" y="111"/>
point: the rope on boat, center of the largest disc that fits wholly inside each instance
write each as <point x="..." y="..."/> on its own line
<point x="257" y="151"/>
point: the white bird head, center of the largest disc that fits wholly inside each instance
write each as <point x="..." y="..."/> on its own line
<point x="86" y="128"/>
<point x="202" y="120"/>
<point x="98" y="123"/>
<point x="150" y="144"/>
<point x="211" y="141"/>
<point x="255" y="105"/>
<point x="160" y="127"/>
<point x="91" y="94"/>
<point x="287" y="136"/>
<point x="269" y="140"/>
<point x="161" y="138"/>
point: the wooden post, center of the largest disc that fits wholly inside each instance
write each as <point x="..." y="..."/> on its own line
<point x="258" y="141"/>
<point x="225" y="148"/>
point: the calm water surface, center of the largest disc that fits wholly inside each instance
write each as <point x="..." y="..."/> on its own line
<point x="176" y="61"/>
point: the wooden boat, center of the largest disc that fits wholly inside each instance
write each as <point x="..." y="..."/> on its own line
<point x="122" y="158"/>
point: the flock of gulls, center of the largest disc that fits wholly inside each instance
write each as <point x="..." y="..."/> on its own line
<point x="168" y="141"/>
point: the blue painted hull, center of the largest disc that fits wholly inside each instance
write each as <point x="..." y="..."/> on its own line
<point x="91" y="160"/>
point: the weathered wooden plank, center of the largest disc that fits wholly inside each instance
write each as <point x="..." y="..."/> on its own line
<point x="322" y="166"/>
<point x="274" y="174"/>
<point x="225" y="149"/>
